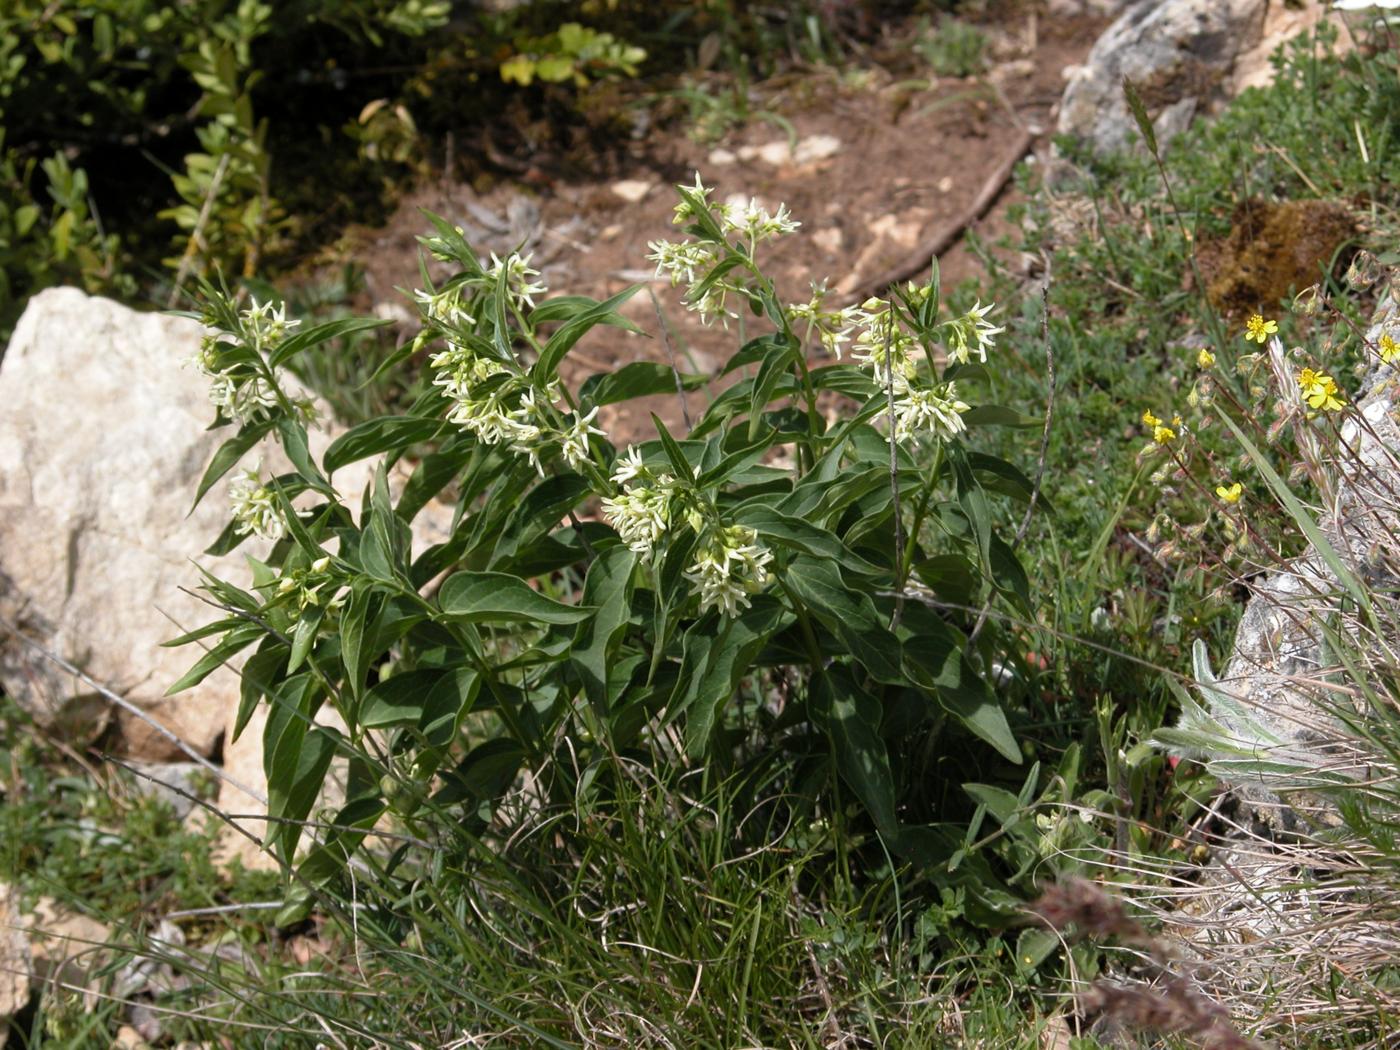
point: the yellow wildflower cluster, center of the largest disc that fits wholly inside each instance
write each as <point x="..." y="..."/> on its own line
<point x="1161" y="433"/>
<point x="1259" y="329"/>
<point x="1320" y="390"/>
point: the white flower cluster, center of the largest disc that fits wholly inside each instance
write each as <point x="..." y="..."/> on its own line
<point x="729" y="568"/>
<point x="971" y="333"/>
<point x="254" y="507"/>
<point x="641" y="512"/>
<point x="692" y="262"/>
<point x="884" y="347"/>
<point x="929" y="409"/>
<point x="882" y="344"/>
<point x="265" y="327"/>
<point x="451" y="305"/>
<point x="238" y="391"/>
<point x="243" y="399"/>
<point x="753" y="222"/>
<point x="504" y="414"/>
<point x="573" y="440"/>
<point x="832" y="327"/>
<point x="446" y="306"/>
<point x="518" y="278"/>
<point x="730" y="564"/>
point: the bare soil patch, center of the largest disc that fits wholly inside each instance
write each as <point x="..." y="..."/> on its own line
<point x="872" y="159"/>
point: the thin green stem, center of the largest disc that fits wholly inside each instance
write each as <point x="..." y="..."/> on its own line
<point x="920" y="512"/>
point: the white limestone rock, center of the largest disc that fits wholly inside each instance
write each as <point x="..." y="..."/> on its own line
<point x="102" y="443"/>
<point x="1180" y="54"/>
<point x="15" y="964"/>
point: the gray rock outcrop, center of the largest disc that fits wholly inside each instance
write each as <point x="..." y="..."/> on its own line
<point x="1181" y="55"/>
<point x="1274" y="725"/>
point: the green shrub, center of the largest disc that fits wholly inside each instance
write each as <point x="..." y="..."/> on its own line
<point x="953" y="49"/>
<point x="137" y="88"/>
<point x="769" y="588"/>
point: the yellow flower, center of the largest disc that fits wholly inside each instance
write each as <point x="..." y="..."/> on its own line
<point x="1327" y="397"/>
<point x="1390" y="349"/>
<point x="1163" y="435"/>
<point x="1320" y="390"/>
<point x="1259" y="329"/>
<point x="1149" y="420"/>
<point x="1204" y="359"/>
<point x="1230" y="493"/>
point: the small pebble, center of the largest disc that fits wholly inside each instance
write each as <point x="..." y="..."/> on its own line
<point x="632" y="190"/>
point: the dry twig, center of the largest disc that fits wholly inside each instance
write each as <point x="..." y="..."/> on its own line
<point x="945" y="238"/>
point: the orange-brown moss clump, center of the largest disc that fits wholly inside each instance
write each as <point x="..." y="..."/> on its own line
<point x="1272" y="252"/>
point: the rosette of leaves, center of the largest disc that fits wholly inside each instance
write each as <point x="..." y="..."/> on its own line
<point x="534" y="639"/>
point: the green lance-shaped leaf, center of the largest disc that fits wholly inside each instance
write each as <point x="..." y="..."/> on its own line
<point x="723" y="666"/>
<point x="851" y="715"/>
<point x="322" y="333"/>
<point x="609" y="588"/>
<point x="638" y="379"/>
<point x="477" y="597"/>
<point x="399" y="700"/>
<point x="378" y="435"/>
<point x="228" y="454"/>
<point x="574" y="329"/>
<point x="230" y="645"/>
<point x="352" y="823"/>
<point x="293" y="787"/>
<point x="849" y="614"/>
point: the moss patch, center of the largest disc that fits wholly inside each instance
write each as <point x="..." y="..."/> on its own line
<point x="1272" y="251"/>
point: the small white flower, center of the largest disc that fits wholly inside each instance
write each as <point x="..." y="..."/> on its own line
<point x="574" y="443"/>
<point x="628" y="466"/>
<point x="683" y="211"/>
<point x="242" y="397"/>
<point x="307" y="587"/>
<point x="444" y="306"/>
<point x="265" y="326"/>
<point x="682" y="262"/>
<point x="254" y="507"/>
<point x="753" y="220"/>
<point x="882" y="351"/>
<point x="713" y="304"/>
<point x="459" y="370"/>
<point x="972" y="332"/>
<point x="833" y="327"/>
<point x="242" y="400"/>
<point x="518" y="275"/>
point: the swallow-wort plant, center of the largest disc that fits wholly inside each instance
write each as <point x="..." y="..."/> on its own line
<point x="801" y="580"/>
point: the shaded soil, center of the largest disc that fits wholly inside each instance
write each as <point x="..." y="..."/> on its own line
<point x="872" y="159"/>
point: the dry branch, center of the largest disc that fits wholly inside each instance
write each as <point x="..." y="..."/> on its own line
<point x="945" y="238"/>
